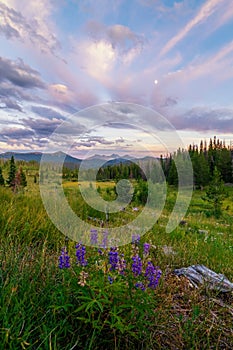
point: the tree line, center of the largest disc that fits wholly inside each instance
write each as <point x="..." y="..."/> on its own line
<point x="205" y="158"/>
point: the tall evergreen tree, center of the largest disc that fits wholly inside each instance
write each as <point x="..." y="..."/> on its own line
<point x="215" y="193"/>
<point x="23" y="180"/>
<point x="224" y="164"/>
<point x="2" y="181"/>
<point x="12" y="172"/>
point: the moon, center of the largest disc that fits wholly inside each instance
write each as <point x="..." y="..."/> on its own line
<point x="156" y="81"/>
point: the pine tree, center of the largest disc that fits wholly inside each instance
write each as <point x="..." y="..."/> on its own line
<point x="12" y="173"/>
<point x="173" y="175"/>
<point x="216" y="193"/>
<point x="2" y="181"/>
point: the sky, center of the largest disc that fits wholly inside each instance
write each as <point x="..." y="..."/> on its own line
<point x="60" y="57"/>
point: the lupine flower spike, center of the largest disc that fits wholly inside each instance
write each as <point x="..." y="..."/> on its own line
<point x="80" y="254"/>
<point x="136" y="239"/>
<point x="94" y="237"/>
<point x="104" y="240"/>
<point x="136" y="265"/>
<point x="153" y="275"/>
<point x="113" y="258"/>
<point x="110" y="279"/>
<point x="146" y="249"/>
<point x="140" y="285"/>
<point x="64" y="259"/>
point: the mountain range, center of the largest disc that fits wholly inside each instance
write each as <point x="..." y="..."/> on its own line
<point x="71" y="162"/>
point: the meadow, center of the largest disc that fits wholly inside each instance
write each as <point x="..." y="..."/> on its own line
<point x="44" y="307"/>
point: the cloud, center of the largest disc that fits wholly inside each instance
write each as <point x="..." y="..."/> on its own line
<point x="169" y="102"/>
<point x="205" y="119"/>
<point x="31" y="26"/>
<point x="120" y="140"/>
<point x="205" y="11"/>
<point x="107" y="49"/>
<point x="99" y="59"/>
<point x="13" y="134"/>
<point x="218" y="67"/>
<point x="97" y="140"/>
<point x="19" y="74"/>
<point x="7" y="103"/>
<point x="70" y="99"/>
<point x="119" y="36"/>
<point x="94" y="141"/>
<point x="42" y="127"/>
<point x="49" y="113"/>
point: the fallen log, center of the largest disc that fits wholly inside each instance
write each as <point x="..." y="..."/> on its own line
<point x="201" y="275"/>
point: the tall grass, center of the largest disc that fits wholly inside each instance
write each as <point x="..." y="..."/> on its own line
<point x="43" y="307"/>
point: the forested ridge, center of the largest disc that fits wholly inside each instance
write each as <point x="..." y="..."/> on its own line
<point x="205" y="158"/>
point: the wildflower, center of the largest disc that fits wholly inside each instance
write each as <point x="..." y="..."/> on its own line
<point x="64" y="259"/>
<point x="80" y="254"/>
<point x="105" y="239"/>
<point x="121" y="264"/>
<point x="94" y="236"/>
<point x="113" y="258"/>
<point x="153" y="275"/>
<point x="136" y="265"/>
<point x="83" y="278"/>
<point x="110" y="279"/>
<point x="146" y="248"/>
<point x="136" y="239"/>
<point x="140" y="285"/>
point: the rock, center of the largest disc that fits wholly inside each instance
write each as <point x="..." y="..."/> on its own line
<point x="201" y="275"/>
<point x="204" y="232"/>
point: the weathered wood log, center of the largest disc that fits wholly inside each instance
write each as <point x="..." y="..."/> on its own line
<point x="201" y="275"/>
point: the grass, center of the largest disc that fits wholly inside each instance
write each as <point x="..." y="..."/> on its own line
<point x="43" y="307"/>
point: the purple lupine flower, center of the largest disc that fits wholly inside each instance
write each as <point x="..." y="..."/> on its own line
<point x="121" y="264"/>
<point x="140" y="285"/>
<point x="94" y="236"/>
<point x="110" y="279"/>
<point x="64" y="259"/>
<point x="136" y="265"/>
<point x="100" y="252"/>
<point x="104" y="240"/>
<point x="153" y="275"/>
<point x="146" y="248"/>
<point x="135" y="239"/>
<point x="113" y="258"/>
<point x="80" y="254"/>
